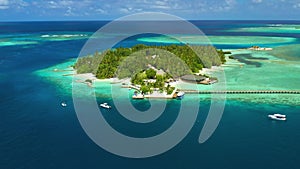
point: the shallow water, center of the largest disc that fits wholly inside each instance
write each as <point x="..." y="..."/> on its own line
<point x="220" y="40"/>
<point x="287" y="52"/>
<point x="278" y="28"/>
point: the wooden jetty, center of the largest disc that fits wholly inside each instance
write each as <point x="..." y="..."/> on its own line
<point x="242" y="92"/>
<point x="131" y="87"/>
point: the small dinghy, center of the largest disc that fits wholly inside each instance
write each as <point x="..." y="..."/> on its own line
<point x="105" y="105"/>
<point x="63" y="104"/>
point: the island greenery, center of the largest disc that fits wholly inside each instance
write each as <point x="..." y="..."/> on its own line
<point x="149" y="80"/>
<point x="174" y="60"/>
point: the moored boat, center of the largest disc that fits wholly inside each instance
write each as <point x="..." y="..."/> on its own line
<point x="180" y="95"/>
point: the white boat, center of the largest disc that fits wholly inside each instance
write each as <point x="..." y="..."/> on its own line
<point x="180" y="95"/>
<point x="280" y="115"/>
<point x="105" y="105"/>
<point x="138" y="96"/>
<point x="63" y="104"/>
<point x="277" y="116"/>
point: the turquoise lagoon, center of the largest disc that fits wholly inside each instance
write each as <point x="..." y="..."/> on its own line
<point x="270" y="28"/>
<point x="37" y="38"/>
<point x="272" y="74"/>
<point x="244" y="134"/>
<point x="250" y="70"/>
<point x="219" y="40"/>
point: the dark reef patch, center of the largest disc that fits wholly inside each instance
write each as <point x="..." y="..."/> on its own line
<point x="248" y="59"/>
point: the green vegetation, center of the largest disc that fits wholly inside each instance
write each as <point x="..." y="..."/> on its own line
<point x="88" y="81"/>
<point x="227" y="52"/>
<point x="222" y="55"/>
<point x="160" y="82"/>
<point x="139" y="78"/>
<point x="149" y="79"/>
<point x="176" y="60"/>
<point x="169" y="89"/>
<point x="151" y="73"/>
<point x="145" y="89"/>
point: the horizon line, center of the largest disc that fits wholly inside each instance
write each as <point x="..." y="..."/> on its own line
<point x="108" y="20"/>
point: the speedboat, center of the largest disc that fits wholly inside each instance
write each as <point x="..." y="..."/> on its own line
<point x="180" y="95"/>
<point x="280" y="117"/>
<point x="63" y="104"/>
<point x="105" y="105"/>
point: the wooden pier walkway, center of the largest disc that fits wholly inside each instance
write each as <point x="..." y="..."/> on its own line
<point x="131" y="87"/>
<point x="242" y="92"/>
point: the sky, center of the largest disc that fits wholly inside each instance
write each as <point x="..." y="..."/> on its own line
<point x="44" y="10"/>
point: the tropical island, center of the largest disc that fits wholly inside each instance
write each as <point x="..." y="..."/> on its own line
<point x="153" y="70"/>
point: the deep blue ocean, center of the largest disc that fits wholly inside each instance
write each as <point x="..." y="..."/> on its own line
<point x="37" y="133"/>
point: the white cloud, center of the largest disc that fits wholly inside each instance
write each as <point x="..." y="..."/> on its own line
<point x="101" y="11"/>
<point x="257" y="1"/>
<point x="160" y="7"/>
<point x="114" y="8"/>
<point x="66" y="3"/>
<point x="296" y="6"/>
<point x="21" y="3"/>
<point x="230" y="2"/>
<point x="52" y="4"/>
<point x="224" y="6"/>
<point x="4" y="4"/>
<point x="124" y="10"/>
<point x="160" y="3"/>
<point x="59" y="4"/>
<point x="130" y="9"/>
<point x="119" y="7"/>
<point x="69" y="12"/>
<point x="15" y="4"/>
<point x="4" y="7"/>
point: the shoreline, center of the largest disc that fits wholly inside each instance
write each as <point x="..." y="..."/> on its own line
<point x="237" y="78"/>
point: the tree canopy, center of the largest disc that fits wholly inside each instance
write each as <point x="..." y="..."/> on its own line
<point x="175" y="60"/>
<point x="151" y="73"/>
